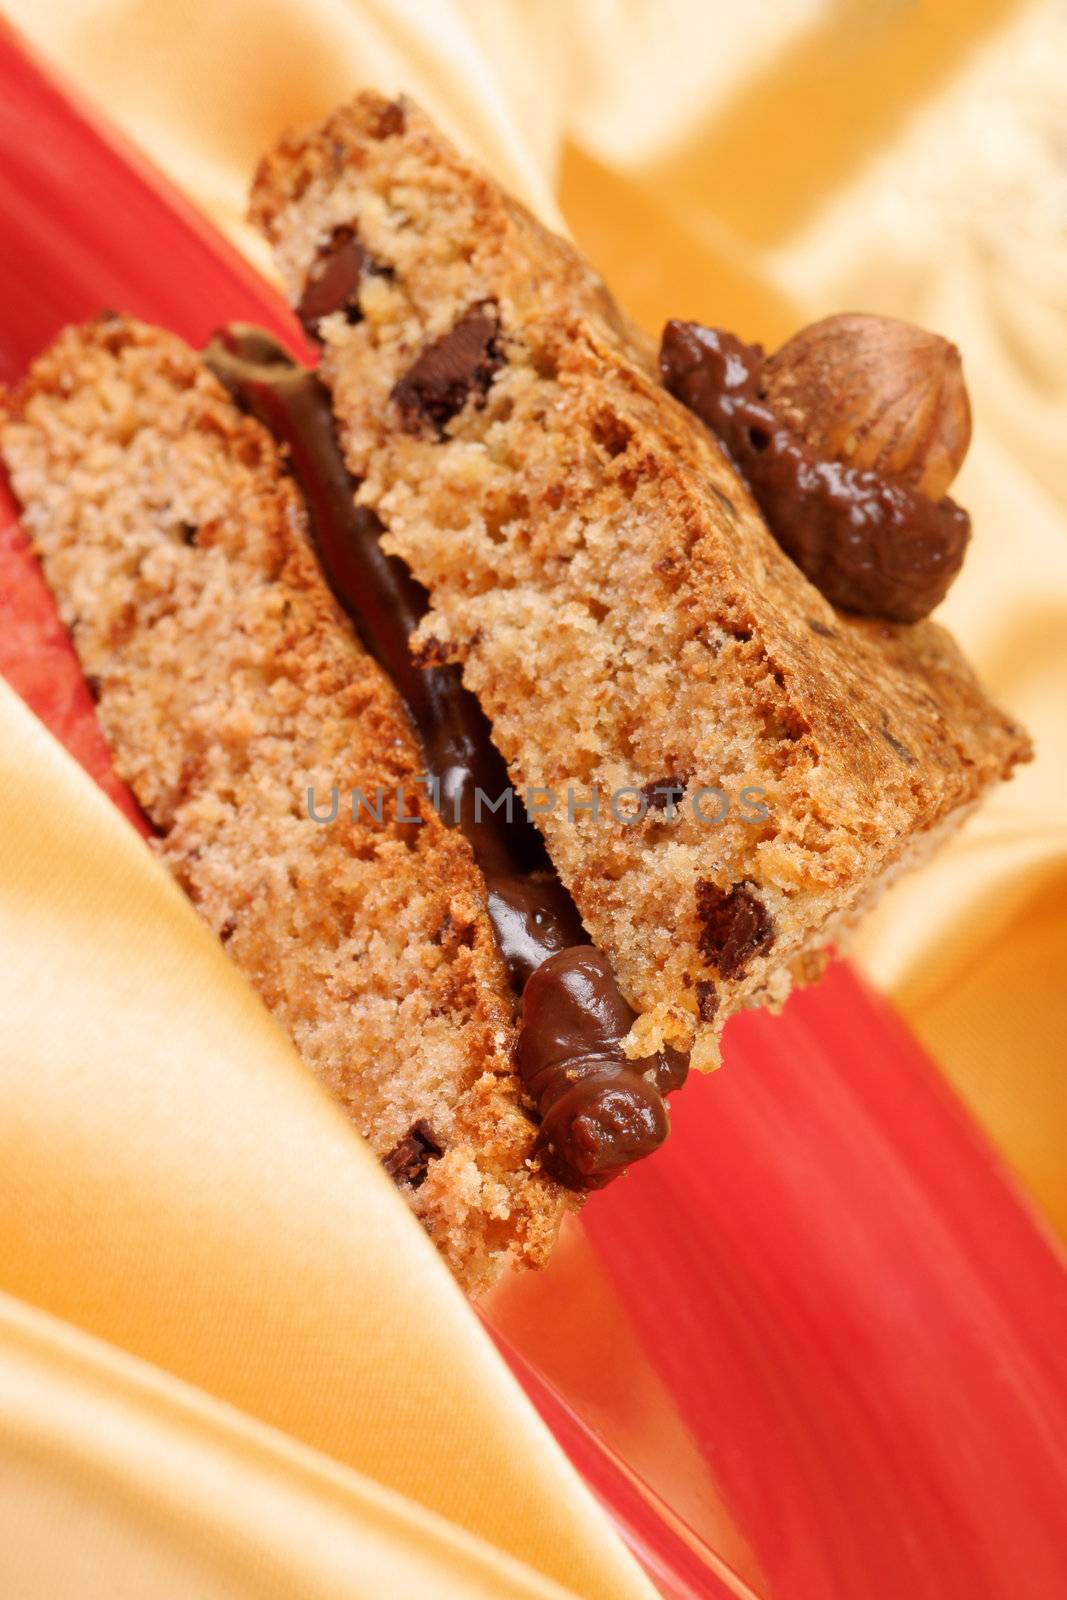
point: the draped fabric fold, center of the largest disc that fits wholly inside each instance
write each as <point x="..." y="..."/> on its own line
<point x="175" y="1186"/>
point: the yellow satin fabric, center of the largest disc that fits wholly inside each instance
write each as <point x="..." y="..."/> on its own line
<point x="228" y="1359"/>
<point x="232" y="1309"/>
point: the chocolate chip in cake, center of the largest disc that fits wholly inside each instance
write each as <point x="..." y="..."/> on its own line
<point x="408" y="1161"/>
<point x="664" y="792"/>
<point x="458" y="366"/>
<point x="820" y="628"/>
<point x="707" y="1000"/>
<point x="334" y="279"/>
<point x="735" y="926"/>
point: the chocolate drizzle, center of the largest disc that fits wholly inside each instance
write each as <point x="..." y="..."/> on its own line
<point x="600" y="1111"/>
<point x="869" y="543"/>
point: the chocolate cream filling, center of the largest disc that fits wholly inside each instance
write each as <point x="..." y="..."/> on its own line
<point x="870" y="544"/>
<point x="599" y="1111"/>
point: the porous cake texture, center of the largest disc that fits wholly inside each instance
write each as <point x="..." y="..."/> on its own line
<point x="228" y="683"/>
<point x="606" y="581"/>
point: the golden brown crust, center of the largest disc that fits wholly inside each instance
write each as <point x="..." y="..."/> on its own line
<point x="229" y="682"/>
<point x="600" y="570"/>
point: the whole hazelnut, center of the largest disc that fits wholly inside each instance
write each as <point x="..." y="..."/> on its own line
<point x="875" y="393"/>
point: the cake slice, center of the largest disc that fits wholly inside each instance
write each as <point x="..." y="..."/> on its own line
<point x="229" y="683"/>
<point x="601" y="572"/>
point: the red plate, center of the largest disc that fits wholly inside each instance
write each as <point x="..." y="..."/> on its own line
<point x="817" y="1347"/>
